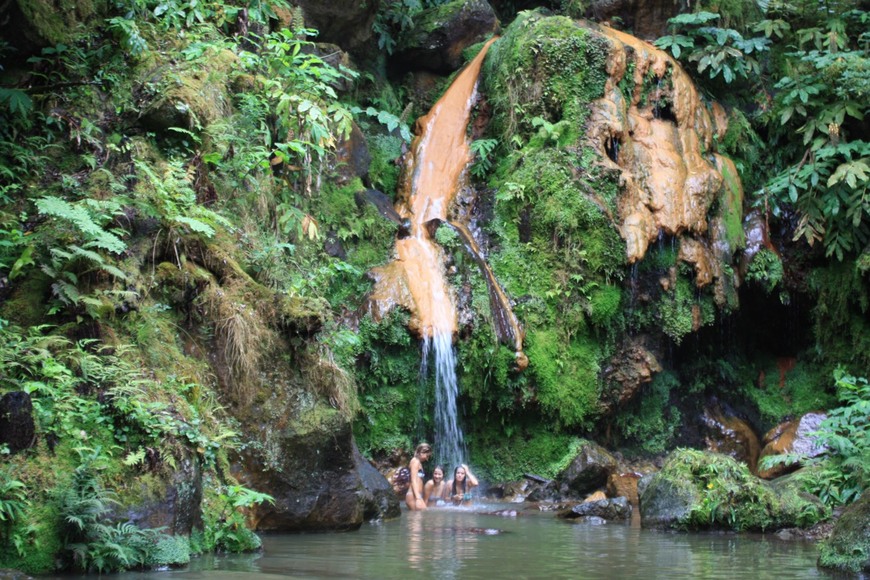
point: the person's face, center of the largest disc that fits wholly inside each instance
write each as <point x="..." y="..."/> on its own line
<point x="437" y="476"/>
<point x="460" y="474"/>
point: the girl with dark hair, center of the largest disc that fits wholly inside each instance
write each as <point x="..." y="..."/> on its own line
<point x="461" y="485"/>
<point x="436" y="488"/>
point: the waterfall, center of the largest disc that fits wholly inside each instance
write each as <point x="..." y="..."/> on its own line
<point x="436" y="170"/>
<point x="449" y="442"/>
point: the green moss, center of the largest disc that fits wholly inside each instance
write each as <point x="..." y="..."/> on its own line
<point x="731" y="208"/>
<point x="170" y="551"/>
<point x="848" y="547"/>
<point x="765" y="269"/>
<point x="544" y="67"/>
<point x="804" y="388"/>
<point x="730" y="497"/>
<point x="534" y="448"/>
<point x="650" y="423"/>
<point x="40" y="530"/>
<point x="56" y="21"/>
<point x="675" y="310"/>
<point x="604" y="305"/>
<point x="566" y="375"/>
<point x="841" y="324"/>
<point x="383" y="170"/>
<point x="391" y="395"/>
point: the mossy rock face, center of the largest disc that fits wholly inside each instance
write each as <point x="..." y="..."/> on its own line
<point x="702" y="490"/>
<point x="33" y="24"/>
<point x="189" y="95"/>
<point x="307" y="464"/>
<point x="441" y="33"/>
<point x="347" y="23"/>
<point x="170" y="500"/>
<point x="848" y="548"/>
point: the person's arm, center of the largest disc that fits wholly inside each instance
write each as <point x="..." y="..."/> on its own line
<point x="417" y="483"/>
<point x="472" y="481"/>
<point x="427" y="490"/>
<point x="449" y="495"/>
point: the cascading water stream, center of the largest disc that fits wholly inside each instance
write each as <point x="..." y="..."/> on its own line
<point x="437" y="166"/>
<point x="450" y="443"/>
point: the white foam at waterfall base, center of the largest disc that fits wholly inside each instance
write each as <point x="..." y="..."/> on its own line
<point x="449" y="442"/>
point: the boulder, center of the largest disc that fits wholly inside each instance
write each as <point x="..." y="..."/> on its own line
<point x="703" y="490"/>
<point x="347" y="23"/>
<point x="730" y="435"/>
<point x="188" y="95"/>
<point x="379" y="499"/>
<point x="16" y="421"/>
<point x="617" y="508"/>
<point x="588" y="471"/>
<point x="848" y="548"/>
<point x="793" y="437"/>
<point x="664" y="501"/>
<point x="308" y="462"/>
<point x="441" y="33"/>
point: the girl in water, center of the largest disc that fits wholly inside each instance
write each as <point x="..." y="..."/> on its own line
<point x="459" y="488"/>
<point x="435" y="488"/>
<point x="414" y="498"/>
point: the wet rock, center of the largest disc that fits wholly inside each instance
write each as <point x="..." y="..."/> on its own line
<point x="543" y="492"/>
<point x="659" y="133"/>
<point x="441" y="33"/>
<point x="172" y="502"/>
<point x="793" y="436"/>
<point x="29" y="25"/>
<point x="665" y="501"/>
<point x="624" y="484"/>
<point x="730" y="435"/>
<point x="588" y="471"/>
<point x="848" y="548"/>
<point x="16" y="421"/>
<point x="309" y="463"/>
<point x="347" y="23"/>
<point x="627" y="371"/>
<point x="617" y="508"/>
<point x="379" y="499"/>
<point x="352" y="157"/>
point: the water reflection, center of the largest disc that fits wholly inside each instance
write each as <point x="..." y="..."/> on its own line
<point x="461" y="543"/>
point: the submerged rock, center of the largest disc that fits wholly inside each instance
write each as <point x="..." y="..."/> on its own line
<point x="617" y="508"/>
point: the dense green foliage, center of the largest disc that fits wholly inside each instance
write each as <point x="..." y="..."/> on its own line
<point x="841" y="473"/>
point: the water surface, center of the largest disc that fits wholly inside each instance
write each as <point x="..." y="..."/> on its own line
<point x="466" y="544"/>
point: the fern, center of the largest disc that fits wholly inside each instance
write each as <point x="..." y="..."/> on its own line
<point x="79" y="216"/>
